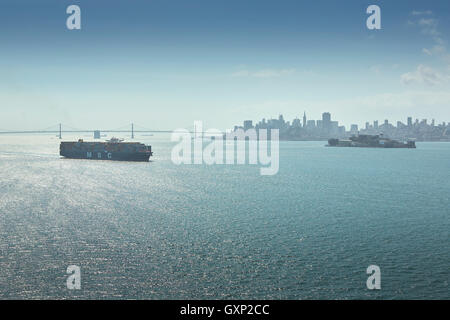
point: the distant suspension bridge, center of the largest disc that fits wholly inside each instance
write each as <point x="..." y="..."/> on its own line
<point x="59" y="129"/>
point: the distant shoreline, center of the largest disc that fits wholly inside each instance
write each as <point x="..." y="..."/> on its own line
<point x="147" y="136"/>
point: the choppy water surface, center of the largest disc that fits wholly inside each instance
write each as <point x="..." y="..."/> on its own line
<point x="160" y="231"/>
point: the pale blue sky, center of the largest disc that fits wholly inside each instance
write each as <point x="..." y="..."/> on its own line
<point x="164" y="64"/>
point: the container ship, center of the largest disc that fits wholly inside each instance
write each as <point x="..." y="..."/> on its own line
<point x="370" y="141"/>
<point x="113" y="149"/>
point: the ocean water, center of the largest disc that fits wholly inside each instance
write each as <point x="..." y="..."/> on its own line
<point x="160" y="231"/>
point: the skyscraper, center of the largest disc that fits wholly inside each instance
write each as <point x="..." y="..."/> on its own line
<point x="248" y="124"/>
<point x="304" y="119"/>
<point x="326" y="121"/>
<point x="409" y="121"/>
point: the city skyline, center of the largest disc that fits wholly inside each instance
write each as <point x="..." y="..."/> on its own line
<point x="301" y="120"/>
<point x="325" y="128"/>
<point x="174" y="63"/>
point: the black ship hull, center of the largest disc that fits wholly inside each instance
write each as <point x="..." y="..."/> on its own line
<point x="114" y="156"/>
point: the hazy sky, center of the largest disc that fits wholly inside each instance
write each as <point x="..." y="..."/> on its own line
<point x="164" y="64"/>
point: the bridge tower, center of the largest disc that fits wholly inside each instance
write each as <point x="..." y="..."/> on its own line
<point x="60" y="135"/>
<point x="132" y="131"/>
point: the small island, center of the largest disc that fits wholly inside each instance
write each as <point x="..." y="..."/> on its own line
<point x="370" y="141"/>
